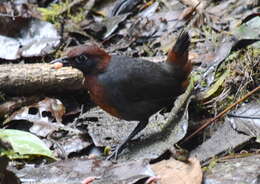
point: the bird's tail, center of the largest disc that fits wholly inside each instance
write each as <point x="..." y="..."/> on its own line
<point x="178" y="55"/>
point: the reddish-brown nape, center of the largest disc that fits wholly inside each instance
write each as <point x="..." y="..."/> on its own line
<point x="91" y="51"/>
<point x="86" y="49"/>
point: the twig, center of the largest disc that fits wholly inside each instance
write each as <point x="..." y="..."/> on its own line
<point x="220" y="115"/>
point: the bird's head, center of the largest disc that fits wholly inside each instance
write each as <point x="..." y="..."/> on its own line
<point x="89" y="59"/>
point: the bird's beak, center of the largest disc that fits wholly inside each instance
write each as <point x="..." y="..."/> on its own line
<point x="60" y="62"/>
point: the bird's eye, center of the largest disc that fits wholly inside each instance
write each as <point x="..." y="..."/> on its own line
<point x="81" y="59"/>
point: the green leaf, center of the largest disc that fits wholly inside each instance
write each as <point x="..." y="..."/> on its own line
<point x="25" y="144"/>
<point x="214" y="88"/>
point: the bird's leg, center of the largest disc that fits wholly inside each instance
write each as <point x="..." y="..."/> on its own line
<point x="141" y="125"/>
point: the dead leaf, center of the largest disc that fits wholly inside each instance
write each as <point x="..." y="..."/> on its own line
<point x="235" y="171"/>
<point x="178" y="172"/>
<point x="225" y="138"/>
<point x="246" y="119"/>
<point x="74" y="171"/>
<point x="22" y="35"/>
<point x="42" y="115"/>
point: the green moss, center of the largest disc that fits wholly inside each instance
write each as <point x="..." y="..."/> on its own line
<point x="107" y="150"/>
<point x="52" y="13"/>
<point x="78" y="17"/>
<point x="211" y="165"/>
<point x="210" y="34"/>
<point x="61" y="10"/>
<point x="243" y="76"/>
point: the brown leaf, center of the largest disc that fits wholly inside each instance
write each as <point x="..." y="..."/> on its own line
<point x="179" y="172"/>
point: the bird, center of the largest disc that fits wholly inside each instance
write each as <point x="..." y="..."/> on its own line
<point x="130" y="88"/>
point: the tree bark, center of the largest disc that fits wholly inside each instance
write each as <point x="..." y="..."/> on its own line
<point x="27" y="79"/>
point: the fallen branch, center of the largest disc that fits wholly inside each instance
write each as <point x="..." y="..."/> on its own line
<point x="27" y="79"/>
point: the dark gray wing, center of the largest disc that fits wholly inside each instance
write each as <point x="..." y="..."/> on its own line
<point x="142" y="80"/>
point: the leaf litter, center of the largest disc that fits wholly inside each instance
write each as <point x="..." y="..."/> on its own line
<point x="148" y="30"/>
